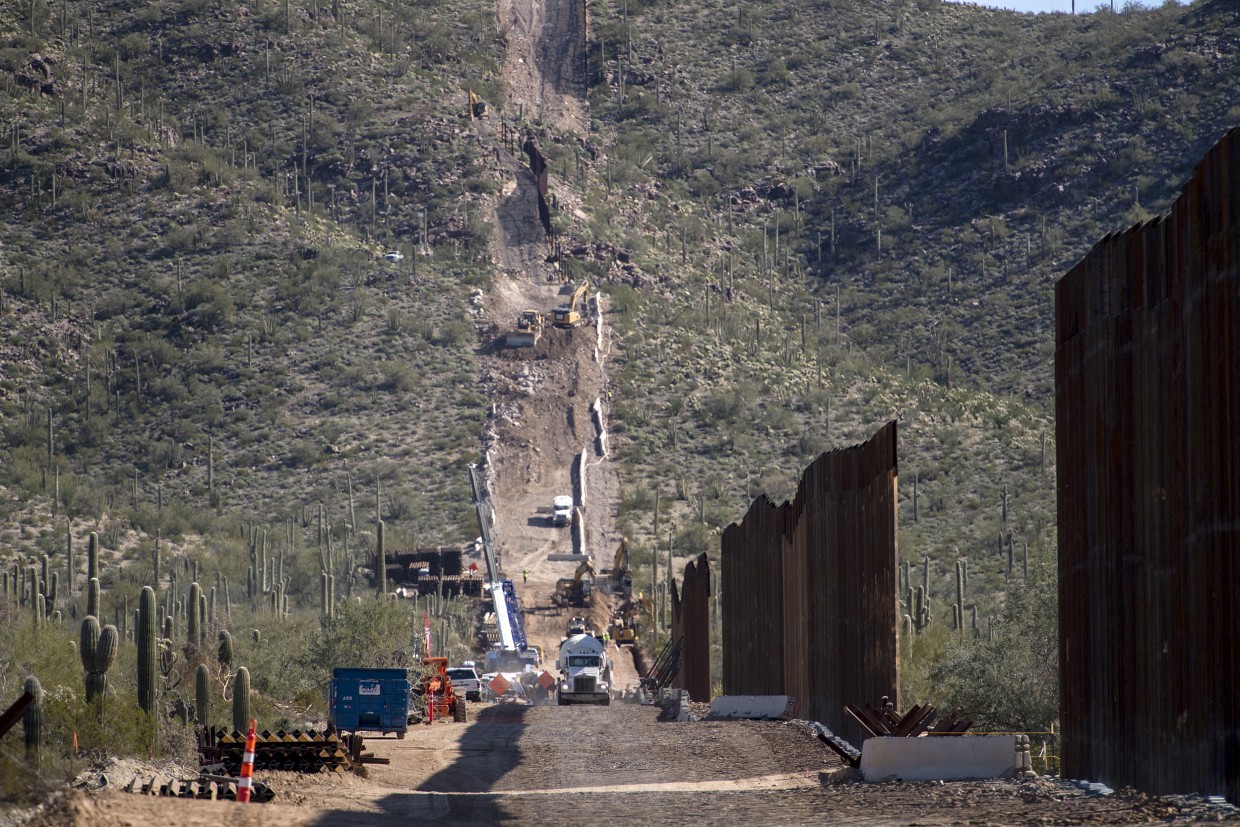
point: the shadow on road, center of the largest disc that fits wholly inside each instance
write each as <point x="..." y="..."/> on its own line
<point x="464" y="791"/>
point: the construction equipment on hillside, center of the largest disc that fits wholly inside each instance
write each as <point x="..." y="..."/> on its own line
<point x="576" y="590"/>
<point x="577" y="626"/>
<point x="528" y="331"/>
<point x="621" y="575"/>
<point x="585" y="672"/>
<point x="477" y="108"/>
<point x="435" y="691"/>
<point x="577" y="309"/>
<point x="627" y="622"/>
<point x="624" y="630"/>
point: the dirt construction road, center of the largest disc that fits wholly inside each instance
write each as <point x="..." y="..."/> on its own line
<point x="601" y="765"/>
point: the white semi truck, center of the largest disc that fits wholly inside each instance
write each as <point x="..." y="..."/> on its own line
<point x="585" y="674"/>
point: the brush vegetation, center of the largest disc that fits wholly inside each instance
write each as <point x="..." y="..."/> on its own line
<point x="809" y="218"/>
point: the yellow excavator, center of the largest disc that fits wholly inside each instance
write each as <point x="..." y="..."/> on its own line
<point x="621" y="575"/>
<point x="575" y="590"/>
<point x="578" y="307"/>
<point x="477" y="108"/>
<point x="627" y="621"/>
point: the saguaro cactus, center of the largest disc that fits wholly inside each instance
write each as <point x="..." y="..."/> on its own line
<point x="89" y="643"/>
<point x="92" y="597"/>
<point x="32" y="722"/>
<point x="193" y="621"/>
<point x="70" y="568"/>
<point x="98" y="653"/>
<point x="381" y="564"/>
<point x="202" y="694"/>
<point x="959" y="608"/>
<point x="92" y="557"/>
<point x="241" y="700"/>
<point x="36" y="596"/>
<point x="148" y="649"/>
<point x="225" y="648"/>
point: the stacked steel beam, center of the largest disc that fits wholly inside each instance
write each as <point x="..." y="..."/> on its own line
<point x="296" y="751"/>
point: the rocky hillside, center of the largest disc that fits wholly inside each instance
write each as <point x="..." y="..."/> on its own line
<point x="810" y="217"/>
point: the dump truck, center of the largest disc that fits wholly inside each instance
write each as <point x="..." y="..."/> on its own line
<point x="585" y="673"/>
<point x="528" y="330"/>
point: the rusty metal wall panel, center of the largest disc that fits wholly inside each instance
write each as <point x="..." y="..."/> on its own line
<point x="1147" y="399"/>
<point x="808" y="596"/>
<point x="691" y="622"/>
<point x="796" y="609"/>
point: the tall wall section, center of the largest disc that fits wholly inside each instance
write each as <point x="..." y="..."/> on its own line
<point x="1147" y="398"/>
<point x="691" y="624"/>
<point x="808" y="588"/>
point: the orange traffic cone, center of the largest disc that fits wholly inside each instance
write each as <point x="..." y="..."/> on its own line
<point x="245" y="782"/>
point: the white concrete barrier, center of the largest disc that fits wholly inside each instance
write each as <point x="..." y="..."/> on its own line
<point x="580" y="476"/>
<point x="938" y="758"/>
<point x="567" y="558"/>
<point x="759" y="707"/>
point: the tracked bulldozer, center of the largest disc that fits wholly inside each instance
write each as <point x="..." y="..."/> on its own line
<point x="528" y="330"/>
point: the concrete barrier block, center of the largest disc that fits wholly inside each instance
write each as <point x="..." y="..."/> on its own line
<point x="938" y="758"/>
<point x="758" y="707"/>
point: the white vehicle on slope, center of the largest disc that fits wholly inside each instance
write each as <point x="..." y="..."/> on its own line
<point x="585" y="673"/>
<point x="562" y="510"/>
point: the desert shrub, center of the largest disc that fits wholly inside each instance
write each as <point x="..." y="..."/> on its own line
<point x="1007" y="677"/>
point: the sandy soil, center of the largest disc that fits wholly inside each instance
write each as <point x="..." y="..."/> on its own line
<point x="580" y="765"/>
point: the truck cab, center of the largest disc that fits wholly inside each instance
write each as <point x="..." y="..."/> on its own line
<point x="562" y="510"/>
<point x="584" y="672"/>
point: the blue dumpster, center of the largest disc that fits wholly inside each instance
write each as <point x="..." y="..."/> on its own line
<point x="373" y="700"/>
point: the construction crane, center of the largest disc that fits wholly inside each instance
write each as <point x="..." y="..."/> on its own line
<point x="577" y="309"/>
<point x="514" y="651"/>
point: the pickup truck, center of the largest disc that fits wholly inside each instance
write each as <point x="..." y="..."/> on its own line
<point x="465" y="681"/>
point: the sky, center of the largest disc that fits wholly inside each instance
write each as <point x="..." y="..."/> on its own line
<point x="1042" y="6"/>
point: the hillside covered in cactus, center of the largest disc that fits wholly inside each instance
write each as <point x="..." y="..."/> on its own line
<point x="808" y="218"/>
